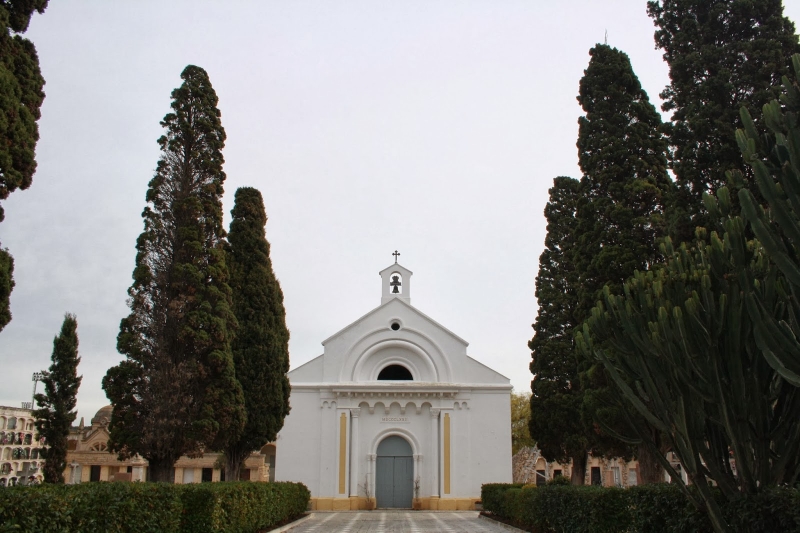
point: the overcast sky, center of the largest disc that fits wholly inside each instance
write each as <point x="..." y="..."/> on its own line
<point x="433" y="128"/>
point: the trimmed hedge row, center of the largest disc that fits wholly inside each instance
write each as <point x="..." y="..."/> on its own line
<point x="658" y="508"/>
<point x="233" y="507"/>
<point x="252" y="506"/>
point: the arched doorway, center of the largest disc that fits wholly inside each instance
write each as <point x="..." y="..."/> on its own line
<point x="394" y="475"/>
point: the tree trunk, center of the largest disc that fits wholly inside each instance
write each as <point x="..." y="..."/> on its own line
<point x="579" y="468"/>
<point x="233" y="465"/>
<point x="161" y="471"/>
<point x="650" y="469"/>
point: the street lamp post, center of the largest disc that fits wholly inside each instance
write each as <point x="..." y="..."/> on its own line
<point x="37" y="377"/>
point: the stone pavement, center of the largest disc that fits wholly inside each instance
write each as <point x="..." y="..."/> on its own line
<point x="397" y="522"/>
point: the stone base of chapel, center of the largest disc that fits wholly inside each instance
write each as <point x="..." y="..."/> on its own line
<point x="361" y="504"/>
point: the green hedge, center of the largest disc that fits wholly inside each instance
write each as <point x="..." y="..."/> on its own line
<point x="658" y="508"/>
<point x="236" y="507"/>
<point x="492" y="496"/>
<point x="240" y="507"/>
<point x="112" y="507"/>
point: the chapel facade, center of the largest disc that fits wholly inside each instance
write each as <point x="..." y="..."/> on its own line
<point x="395" y="414"/>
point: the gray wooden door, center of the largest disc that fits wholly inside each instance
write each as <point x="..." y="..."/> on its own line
<point x="394" y="482"/>
<point x="394" y="474"/>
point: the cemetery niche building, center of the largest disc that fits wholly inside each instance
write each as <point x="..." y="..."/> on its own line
<point x="394" y="413"/>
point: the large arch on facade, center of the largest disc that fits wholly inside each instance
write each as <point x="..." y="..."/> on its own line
<point x="413" y="350"/>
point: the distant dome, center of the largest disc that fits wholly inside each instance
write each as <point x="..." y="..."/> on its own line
<point x="103" y="416"/>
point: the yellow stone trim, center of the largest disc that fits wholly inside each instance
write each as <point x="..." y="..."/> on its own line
<point x="457" y="504"/>
<point x="447" y="453"/>
<point x="360" y="503"/>
<point x="342" y="452"/>
<point x="340" y="504"/>
<point x="322" y="504"/>
<point x="433" y="503"/>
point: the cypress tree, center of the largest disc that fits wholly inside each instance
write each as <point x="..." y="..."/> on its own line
<point x="261" y="347"/>
<point x="722" y="55"/>
<point x="622" y="213"/>
<point x="176" y="392"/>
<point x="626" y="191"/>
<point x="56" y="411"/>
<point x="555" y="422"/>
<point x="21" y="97"/>
<point x="6" y="286"/>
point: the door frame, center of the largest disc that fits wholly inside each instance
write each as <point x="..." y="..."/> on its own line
<point x="373" y="456"/>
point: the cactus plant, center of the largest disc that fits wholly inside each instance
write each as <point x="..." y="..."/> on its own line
<point x="682" y="347"/>
<point x="775" y="161"/>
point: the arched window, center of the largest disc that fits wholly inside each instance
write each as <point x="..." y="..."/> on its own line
<point x="395" y="373"/>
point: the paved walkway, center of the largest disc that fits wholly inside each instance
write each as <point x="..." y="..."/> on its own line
<point x="397" y="522"/>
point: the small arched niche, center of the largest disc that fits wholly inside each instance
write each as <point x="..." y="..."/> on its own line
<point x="396" y="283"/>
<point x="395" y="373"/>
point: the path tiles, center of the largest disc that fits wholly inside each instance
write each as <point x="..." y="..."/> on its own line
<point x="397" y="522"/>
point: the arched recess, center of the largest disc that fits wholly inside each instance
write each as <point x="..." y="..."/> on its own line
<point x="395" y="372"/>
<point x="415" y="350"/>
<point x="400" y="432"/>
<point x="394" y="473"/>
<point x="370" y="361"/>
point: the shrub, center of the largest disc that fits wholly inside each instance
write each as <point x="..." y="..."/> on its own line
<point x="492" y="496"/>
<point x="559" y="480"/>
<point x="150" y="507"/>
<point x="91" y="507"/>
<point x="773" y="509"/>
<point x="664" y="508"/>
<point x="240" y="507"/>
<point x="659" y="508"/>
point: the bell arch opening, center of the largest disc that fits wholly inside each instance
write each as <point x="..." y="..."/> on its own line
<point x="395" y="373"/>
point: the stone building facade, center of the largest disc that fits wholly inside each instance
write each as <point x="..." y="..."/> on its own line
<point x="88" y="459"/>
<point x="529" y="466"/>
<point x="20" y="459"/>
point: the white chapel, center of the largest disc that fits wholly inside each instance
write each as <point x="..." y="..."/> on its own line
<point x="394" y="413"/>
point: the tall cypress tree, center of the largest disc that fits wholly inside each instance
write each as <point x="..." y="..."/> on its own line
<point x="56" y="411"/>
<point x="622" y="214"/>
<point x="557" y="395"/>
<point x="722" y="55"/>
<point x="21" y="97"/>
<point x="176" y="392"/>
<point x="261" y="346"/>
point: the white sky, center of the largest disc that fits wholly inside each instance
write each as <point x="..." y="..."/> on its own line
<point x="434" y="128"/>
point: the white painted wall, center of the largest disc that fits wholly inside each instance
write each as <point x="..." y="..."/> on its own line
<point x="344" y="380"/>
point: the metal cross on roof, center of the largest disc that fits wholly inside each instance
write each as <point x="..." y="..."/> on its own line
<point x="395" y="254"/>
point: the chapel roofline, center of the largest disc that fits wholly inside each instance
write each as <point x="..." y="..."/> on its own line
<point x="307" y="362"/>
<point x="403" y="302"/>
<point x="487" y="367"/>
<point x="395" y="266"/>
<point x="399" y="387"/>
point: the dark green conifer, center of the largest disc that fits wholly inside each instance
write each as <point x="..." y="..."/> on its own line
<point x="56" y="411"/>
<point x="6" y="286"/>
<point x="177" y="393"/>
<point x="621" y="216"/>
<point x="557" y="395"/>
<point x="626" y="191"/>
<point x="21" y="97"/>
<point x="261" y="346"/>
<point x="722" y="55"/>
